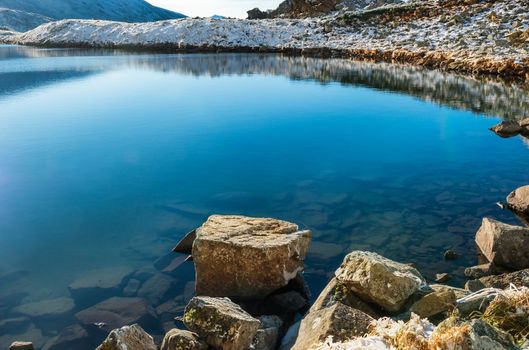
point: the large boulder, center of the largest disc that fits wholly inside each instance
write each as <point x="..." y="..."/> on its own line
<point x="243" y="257"/>
<point x="117" y="312"/>
<point x="518" y="201"/>
<point x="504" y="245"/>
<point x="379" y="280"/>
<point x="178" y="339"/>
<point x="128" y="338"/>
<point x="339" y="321"/>
<point x="222" y="323"/>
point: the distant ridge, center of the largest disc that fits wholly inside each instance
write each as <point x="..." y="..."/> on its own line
<point x="22" y="15"/>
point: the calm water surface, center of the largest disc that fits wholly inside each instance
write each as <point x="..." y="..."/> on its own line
<point x="107" y="159"/>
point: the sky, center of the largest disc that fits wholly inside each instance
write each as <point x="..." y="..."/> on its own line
<point x="206" y="8"/>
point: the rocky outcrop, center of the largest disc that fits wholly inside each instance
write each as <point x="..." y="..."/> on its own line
<point x="248" y="258"/>
<point x="178" y="339"/>
<point x="221" y="323"/>
<point x="339" y="321"/>
<point x="518" y="201"/>
<point x="379" y="280"/>
<point x="128" y="338"/>
<point x="503" y="244"/>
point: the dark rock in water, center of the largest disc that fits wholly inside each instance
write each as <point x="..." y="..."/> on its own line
<point x="118" y="312"/>
<point x="339" y="321"/>
<point x="222" y="323"/>
<point x="504" y="245"/>
<point x="247" y="258"/>
<point x="185" y="246"/>
<point x="442" y="277"/>
<point x="72" y="337"/>
<point x="268" y="334"/>
<point x="13" y="325"/>
<point x="173" y="266"/>
<point x="156" y="288"/>
<point x="132" y="287"/>
<point x="450" y="255"/>
<point x="46" y="308"/>
<point x="99" y="284"/>
<point x="507" y="128"/>
<point x="21" y="345"/>
<point x="177" y="339"/>
<point x="518" y="202"/>
<point x="128" y="338"/>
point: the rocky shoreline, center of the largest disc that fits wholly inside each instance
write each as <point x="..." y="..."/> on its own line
<point x="472" y="37"/>
<point x="250" y="294"/>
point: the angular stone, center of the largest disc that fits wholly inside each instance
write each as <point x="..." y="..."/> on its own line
<point x="21" y="345"/>
<point x="222" y="323"/>
<point x="46" y="308"/>
<point x="72" y="337"/>
<point x="504" y="245"/>
<point x="128" y="338"/>
<point x="434" y="304"/>
<point x="335" y="292"/>
<point x="117" y="312"/>
<point x="518" y="279"/>
<point x="156" y="287"/>
<point x="379" y="280"/>
<point x="518" y="201"/>
<point x="245" y="257"/>
<point x="99" y="284"/>
<point x="459" y="292"/>
<point x="268" y="334"/>
<point x="177" y="339"/>
<point x="339" y="321"/>
<point x="507" y="128"/>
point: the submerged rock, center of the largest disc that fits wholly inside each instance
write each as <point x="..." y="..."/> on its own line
<point x="339" y="321"/>
<point x="504" y="245"/>
<point x="117" y="312"/>
<point x="99" y="284"/>
<point x="72" y="337"/>
<point x="46" y="308"/>
<point x="222" y="323"/>
<point x="245" y="257"/>
<point x="379" y="280"/>
<point x="518" y="201"/>
<point x="178" y="339"/>
<point x="507" y="128"/>
<point x="128" y="338"/>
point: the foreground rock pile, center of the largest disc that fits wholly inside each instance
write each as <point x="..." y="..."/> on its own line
<point x="476" y="37"/>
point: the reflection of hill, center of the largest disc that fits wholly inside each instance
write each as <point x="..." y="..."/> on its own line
<point x="491" y="97"/>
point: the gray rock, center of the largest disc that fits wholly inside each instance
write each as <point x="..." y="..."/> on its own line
<point x="21" y="345"/>
<point x="117" y="312"/>
<point x="339" y="321"/>
<point x="222" y="323"/>
<point x="268" y="334"/>
<point x="379" y="280"/>
<point x="503" y="244"/>
<point x="128" y="338"/>
<point x="156" y="288"/>
<point x="72" y="337"/>
<point x="477" y="302"/>
<point x="177" y="339"/>
<point x="237" y="256"/>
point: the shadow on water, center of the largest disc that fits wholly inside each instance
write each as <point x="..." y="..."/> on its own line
<point x="98" y="205"/>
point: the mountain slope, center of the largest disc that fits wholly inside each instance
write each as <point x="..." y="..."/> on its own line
<point x="115" y="10"/>
<point x="20" y="21"/>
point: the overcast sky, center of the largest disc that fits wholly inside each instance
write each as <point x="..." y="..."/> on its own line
<point x="206" y="8"/>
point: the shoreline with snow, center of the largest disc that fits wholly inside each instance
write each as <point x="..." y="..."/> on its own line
<point x="487" y="38"/>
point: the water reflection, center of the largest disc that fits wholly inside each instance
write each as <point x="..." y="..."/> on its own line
<point x="480" y="95"/>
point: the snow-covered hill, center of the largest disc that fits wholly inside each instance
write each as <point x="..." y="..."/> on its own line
<point x="28" y="14"/>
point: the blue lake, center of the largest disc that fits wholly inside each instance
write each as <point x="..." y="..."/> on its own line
<point x="107" y="159"/>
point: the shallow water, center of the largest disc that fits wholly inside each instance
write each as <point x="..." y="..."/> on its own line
<point x="107" y="159"/>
